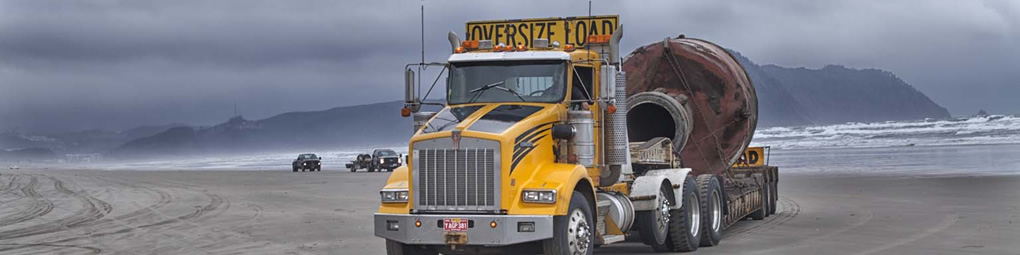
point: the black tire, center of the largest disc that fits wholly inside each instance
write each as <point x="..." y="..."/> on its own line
<point x="682" y="221"/>
<point x="295" y="168"/>
<point x="371" y="169"/>
<point x="712" y="202"/>
<point x="354" y="169"/>
<point x="766" y="198"/>
<point x="651" y="231"/>
<point x="389" y="170"/>
<point x="560" y="243"/>
<point x="761" y="212"/>
<point x="397" y="248"/>
<point x="318" y="169"/>
<point x="775" y="197"/>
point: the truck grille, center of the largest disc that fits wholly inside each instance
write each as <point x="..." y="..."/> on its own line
<point x="458" y="180"/>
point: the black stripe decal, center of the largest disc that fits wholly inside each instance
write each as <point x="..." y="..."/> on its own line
<point x="517" y="148"/>
<point x="524" y="154"/>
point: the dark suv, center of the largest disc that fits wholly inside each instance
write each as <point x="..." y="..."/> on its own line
<point x="385" y="159"/>
<point x="308" y="162"/>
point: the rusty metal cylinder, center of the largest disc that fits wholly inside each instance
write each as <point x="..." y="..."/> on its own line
<point x="714" y="91"/>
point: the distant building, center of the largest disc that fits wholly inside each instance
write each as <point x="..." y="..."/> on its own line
<point x="83" y="157"/>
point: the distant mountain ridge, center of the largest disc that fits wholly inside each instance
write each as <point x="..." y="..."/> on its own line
<point x="370" y="124"/>
<point x="786" y="97"/>
<point x="834" y="94"/>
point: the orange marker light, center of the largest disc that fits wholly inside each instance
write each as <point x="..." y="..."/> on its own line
<point x="568" y="47"/>
<point x="405" y="112"/>
<point x="492" y="224"/>
<point x="497" y="48"/>
<point x="612" y="109"/>
<point x="459" y="50"/>
<point x="469" y="44"/>
<point x="521" y="48"/>
<point x="417" y="223"/>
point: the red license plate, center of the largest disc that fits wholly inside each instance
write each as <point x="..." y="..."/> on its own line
<point x="455" y="224"/>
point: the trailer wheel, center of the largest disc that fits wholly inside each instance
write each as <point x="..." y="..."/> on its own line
<point x="654" y="225"/>
<point x="685" y="223"/>
<point x="766" y="201"/>
<point x="762" y="211"/>
<point x="354" y="169"/>
<point x="573" y="233"/>
<point x="711" y="198"/>
<point x="775" y="197"/>
<point x="397" y="248"/>
<point x="295" y="168"/>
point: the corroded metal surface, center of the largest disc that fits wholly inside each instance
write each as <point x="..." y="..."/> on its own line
<point x="719" y="95"/>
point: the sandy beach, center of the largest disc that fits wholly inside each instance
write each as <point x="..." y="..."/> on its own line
<point x="330" y="212"/>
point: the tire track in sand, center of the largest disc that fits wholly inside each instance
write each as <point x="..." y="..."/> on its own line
<point x="40" y="206"/>
<point x="92" y="209"/>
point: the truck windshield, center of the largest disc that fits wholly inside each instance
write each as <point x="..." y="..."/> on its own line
<point x="386" y="153"/>
<point x="512" y="81"/>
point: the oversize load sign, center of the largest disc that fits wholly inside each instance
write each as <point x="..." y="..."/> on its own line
<point x="753" y="156"/>
<point x="572" y="30"/>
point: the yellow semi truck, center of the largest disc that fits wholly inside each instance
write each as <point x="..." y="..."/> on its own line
<point x="550" y="142"/>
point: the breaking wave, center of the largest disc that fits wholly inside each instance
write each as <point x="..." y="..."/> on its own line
<point x="993" y="129"/>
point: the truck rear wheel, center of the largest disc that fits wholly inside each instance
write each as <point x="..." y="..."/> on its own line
<point x="685" y="223"/>
<point x="653" y="225"/>
<point x="711" y="198"/>
<point x="397" y="248"/>
<point x="295" y="168"/>
<point x="573" y="233"/>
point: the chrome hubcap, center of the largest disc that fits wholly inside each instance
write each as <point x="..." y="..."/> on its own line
<point x="663" y="218"/>
<point x="578" y="233"/>
<point x="695" y="214"/>
<point x="716" y="211"/>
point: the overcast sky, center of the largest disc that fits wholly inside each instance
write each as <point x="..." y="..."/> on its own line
<point x="76" y="65"/>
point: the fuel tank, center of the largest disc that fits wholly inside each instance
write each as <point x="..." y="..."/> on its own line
<point x="696" y="93"/>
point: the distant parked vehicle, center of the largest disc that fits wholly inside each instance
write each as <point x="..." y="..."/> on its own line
<point x="308" y="162"/>
<point x="385" y="159"/>
<point x="362" y="161"/>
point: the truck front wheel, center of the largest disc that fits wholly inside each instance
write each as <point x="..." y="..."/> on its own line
<point x="397" y="248"/>
<point x="573" y="233"/>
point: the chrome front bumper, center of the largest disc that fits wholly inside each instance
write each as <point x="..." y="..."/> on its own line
<point x="431" y="231"/>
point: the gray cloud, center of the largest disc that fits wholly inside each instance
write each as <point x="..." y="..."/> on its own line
<point x="70" y="65"/>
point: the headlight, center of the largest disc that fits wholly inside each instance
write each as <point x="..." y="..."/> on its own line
<point x="539" y="196"/>
<point x="380" y="161"/>
<point x="320" y="163"/>
<point x="400" y="161"/>
<point x="394" y="196"/>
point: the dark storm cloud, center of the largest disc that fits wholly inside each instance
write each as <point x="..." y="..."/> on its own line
<point x="68" y="65"/>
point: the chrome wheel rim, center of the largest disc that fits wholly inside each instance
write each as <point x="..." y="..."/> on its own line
<point x="662" y="218"/>
<point x="716" y="211"/>
<point x="694" y="209"/>
<point x="578" y="233"/>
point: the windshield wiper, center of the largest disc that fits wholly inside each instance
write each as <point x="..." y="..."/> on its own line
<point x="482" y="89"/>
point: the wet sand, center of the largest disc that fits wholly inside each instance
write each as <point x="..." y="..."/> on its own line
<point x="330" y="212"/>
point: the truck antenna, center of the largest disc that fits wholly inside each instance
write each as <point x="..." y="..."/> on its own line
<point x="422" y="63"/>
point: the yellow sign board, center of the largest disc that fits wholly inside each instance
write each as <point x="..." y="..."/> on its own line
<point x="753" y="156"/>
<point x="570" y="30"/>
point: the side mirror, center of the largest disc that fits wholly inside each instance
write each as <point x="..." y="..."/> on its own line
<point x="320" y="158"/>
<point x="411" y="101"/>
